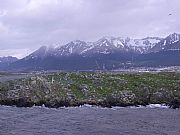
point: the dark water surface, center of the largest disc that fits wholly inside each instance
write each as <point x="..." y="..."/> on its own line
<point x="89" y="121"/>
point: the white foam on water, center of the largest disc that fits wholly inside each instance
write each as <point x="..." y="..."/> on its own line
<point x="157" y="106"/>
<point x="163" y="106"/>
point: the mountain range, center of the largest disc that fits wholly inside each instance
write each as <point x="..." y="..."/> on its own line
<point x="105" y="54"/>
<point x="6" y="61"/>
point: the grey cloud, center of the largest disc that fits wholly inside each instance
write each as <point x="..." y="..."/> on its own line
<point x="32" y="23"/>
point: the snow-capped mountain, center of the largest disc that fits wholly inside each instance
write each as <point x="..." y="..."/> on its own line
<point x="142" y="45"/>
<point x="107" y="45"/>
<point x="42" y="52"/>
<point x="171" y="42"/>
<point x="4" y="61"/>
<point x="74" y="47"/>
<point x="8" y="59"/>
<point x="105" y="53"/>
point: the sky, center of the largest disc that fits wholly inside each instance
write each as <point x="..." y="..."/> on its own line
<point x="25" y="25"/>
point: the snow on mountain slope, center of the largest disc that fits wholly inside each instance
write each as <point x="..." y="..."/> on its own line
<point x="105" y="45"/>
<point x="41" y="53"/>
<point x="74" y="47"/>
<point x="4" y="61"/>
<point x="168" y="43"/>
<point x="8" y="59"/>
<point x="111" y="44"/>
<point x="108" y="45"/>
<point x="108" y="51"/>
<point x="143" y="45"/>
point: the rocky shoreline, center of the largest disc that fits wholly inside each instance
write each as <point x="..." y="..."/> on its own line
<point x="26" y="103"/>
<point x="100" y="89"/>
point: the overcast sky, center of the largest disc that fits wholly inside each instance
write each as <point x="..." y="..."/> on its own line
<point x="25" y="25"/>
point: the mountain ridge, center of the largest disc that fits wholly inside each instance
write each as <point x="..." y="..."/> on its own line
<point x="109" y="52"/>
<point x="5" y="61"/>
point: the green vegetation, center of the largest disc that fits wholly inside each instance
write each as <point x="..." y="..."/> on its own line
<point x="105" y="89"/>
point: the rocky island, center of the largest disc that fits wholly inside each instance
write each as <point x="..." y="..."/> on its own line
<point x="104" y="89"/>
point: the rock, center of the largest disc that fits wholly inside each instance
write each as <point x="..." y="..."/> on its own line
<point x="84" y="89"/>
<point x="175" y="103"/>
